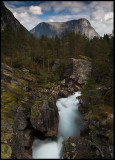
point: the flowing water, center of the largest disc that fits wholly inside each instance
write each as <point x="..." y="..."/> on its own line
<point x="69" y="125"/>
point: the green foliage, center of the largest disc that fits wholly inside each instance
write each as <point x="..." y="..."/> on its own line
<point x="55" y="77"/>
<point x="44" y="76"/>
<point x="6" y="151"/>
<point x="108" y="98"/>
<point x="35" y="110"/>
<point x="21" y="51"/>
<point x="38" y="55"/>
<point x="91" y="94"/>
<point x="90" y="89"/>
<point x="6" y="136"/>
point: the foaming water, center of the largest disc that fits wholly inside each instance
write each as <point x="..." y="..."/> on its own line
<point x="45" y="149"/>
<point x="69" y="125"/>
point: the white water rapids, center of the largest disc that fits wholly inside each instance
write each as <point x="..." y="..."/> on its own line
<point x="69" y="125"/>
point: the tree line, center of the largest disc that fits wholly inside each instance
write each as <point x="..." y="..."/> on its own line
<point x="22" y="51"/>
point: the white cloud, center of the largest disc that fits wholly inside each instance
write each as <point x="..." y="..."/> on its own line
<point x="109" y="17"/>
<point x="64" y="18"/>
<point x="99" y="13"/>
<point x="101" y="16"/>
<point x="99" y="24"/>
<point x="27" y="16"/>
<point x="36" y="10"/>
<point x="104" y="5"/>
<point x="27" y="20"/>
<point x="76" y="6"/>
<point x="72" y="6"/>
<point x="102" y="28"/>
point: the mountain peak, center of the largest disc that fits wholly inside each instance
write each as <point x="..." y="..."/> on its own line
<point x="7" y="18"/>
<point x="51" y="29"/>
<point x="84" y="21"/>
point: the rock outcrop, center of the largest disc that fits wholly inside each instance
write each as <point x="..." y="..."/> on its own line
<point x="78" y="71"/>
<point x="51" y="29"/>
<point x="27" y="112"/>
<point x="77" y="148"/>
<point x="98" y="128"/>
<point x="75" y="75"/>
<point x="44" y="116"/>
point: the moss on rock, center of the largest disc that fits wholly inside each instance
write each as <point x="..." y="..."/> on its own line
<point x="35" y="110"/>
<point x="76" y="148"/>
<point x="6" y="151"/>
<point x="6" y="136"/>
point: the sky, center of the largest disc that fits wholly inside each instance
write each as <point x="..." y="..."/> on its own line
<point x="31" y="13"/>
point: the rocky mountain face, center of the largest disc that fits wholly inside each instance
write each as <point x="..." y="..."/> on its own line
<point x="51" y="29"/>
<point x="7" y="18"/>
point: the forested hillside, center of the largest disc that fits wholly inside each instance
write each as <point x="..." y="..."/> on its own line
<point x="38" y="56"/>
<point x="21" y="51"/>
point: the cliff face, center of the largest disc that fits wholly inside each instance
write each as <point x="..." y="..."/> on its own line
<point x="7" y="18"/>
<point x="51" y="29"/>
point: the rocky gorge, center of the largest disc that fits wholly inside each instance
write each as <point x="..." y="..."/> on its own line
<point x="30" y="112"/>
<point x="55" y="90"/>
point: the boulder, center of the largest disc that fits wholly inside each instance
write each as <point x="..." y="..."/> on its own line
<point x="44" y="116"/>
<point x="63" y="93"/>
<point x="21" y="144"/>
<point x="77" y="148"/>
<point x="20" y="122"/>
<point x="23" y="133"/>
<point x="78" y="71"/>
<point x="5" y="68"/>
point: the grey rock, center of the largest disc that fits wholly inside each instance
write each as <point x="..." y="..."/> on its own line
<point x="77" y="148"/>
<point x="51" y="29"/>
<point x="63" y="93"/>
<point x="20" y="122"/>
<point x="6" y="68"/>
<point x="63" y="82"/>
<point x="97" y="153"/>
<point x="78" y="71"/>
<point x="44" y="116"/>
<point x="73" y="144"/>
<point x="21" y="145"/>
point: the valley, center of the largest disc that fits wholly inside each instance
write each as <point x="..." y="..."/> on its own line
<point x="56" y="90"/>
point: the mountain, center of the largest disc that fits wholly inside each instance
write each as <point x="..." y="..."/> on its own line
<point x="7" y="18"/>
<point x="51" y="29"/>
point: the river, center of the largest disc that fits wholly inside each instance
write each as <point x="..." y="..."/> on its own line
<point x="69" y="125"/>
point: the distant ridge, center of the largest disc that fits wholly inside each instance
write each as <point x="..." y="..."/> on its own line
<point x="51" y="29"/>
